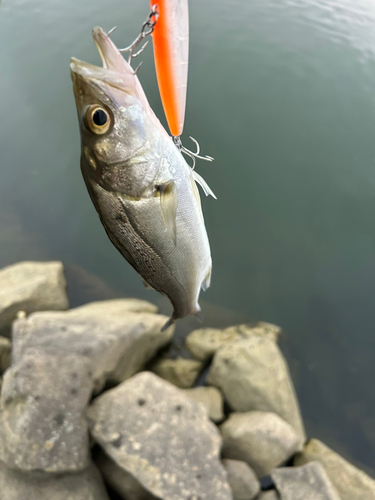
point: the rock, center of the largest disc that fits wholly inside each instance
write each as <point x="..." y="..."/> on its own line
<point x="5" y="354"/>
<point x="154" y="432"/>
<point x="118" y="336"/>
<point x="269" y="495"/>
<point x="253" y="375"/>
<point x="203" y="343"/>
<point x="85" y="485"/>
<point x="211" y="398"/>
<point x="242" y="480"/>
<point x="263" y="440"/>
<point x="350" y="482"/>
<point x="42" y="420"/>
<point x="303" y="483"/>
<point x="121" y="481"/>
<point x="180" y="372"/>
<point x="29" y="287"/>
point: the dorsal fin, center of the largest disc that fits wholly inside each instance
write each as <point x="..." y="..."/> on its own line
<point x="206" y="189"/>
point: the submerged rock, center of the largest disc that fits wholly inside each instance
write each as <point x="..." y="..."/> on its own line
<point x="118" y="336"/>
<point x="253" y="375"/>
<point x="29" y="287"/>
<point x="303" y="483"/>
<point x="5" y="354"/>
<point x="242" y="480"/>
<point x="180" y="372"/>
<point x="211" y="398"/>
<point x="350" y="482"/>
<point x="203" y="343"/>
<point x="263" y="440"/>
<point x="162" y="438"/>
<point x="85" y="485"/>
<point x="42" y="420"/>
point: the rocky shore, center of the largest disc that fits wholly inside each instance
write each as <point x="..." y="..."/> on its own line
<point x="92" y="408"/>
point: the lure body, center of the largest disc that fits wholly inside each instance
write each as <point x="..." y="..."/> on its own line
<point x="171" y="53"/>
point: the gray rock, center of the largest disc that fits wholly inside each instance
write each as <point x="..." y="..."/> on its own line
<point x="42" y="412"/>
<point x="304" y="483"/>
<point x="242" y="480"/>
<point x="263" y="440"/>
<point x="121" y="481"/>
<point x="269" y="495"/>
<point x="350" y="482"/>
<point x="253" y="375"/>
<point x="154" y="432"/>
<point x="17" y="485"/>
<point x="29" y="287"/>
<point x="180" y="372"/>
<point x="203" y="343"/>
<point x="5" y="354"/>
<point x="211" y="398"/>
<point x="118" y="336"/>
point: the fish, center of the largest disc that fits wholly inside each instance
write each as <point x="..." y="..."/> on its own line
<point x="171" y="54"/>
<point x="143" y="190"/>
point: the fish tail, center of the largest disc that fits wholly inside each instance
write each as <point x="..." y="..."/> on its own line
<point x="168" y="324"/>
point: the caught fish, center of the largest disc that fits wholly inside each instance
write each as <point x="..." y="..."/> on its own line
<point x="142" y="188"/>
<point x="171" y="54"/>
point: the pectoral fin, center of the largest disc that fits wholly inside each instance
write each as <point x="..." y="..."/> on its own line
<point x="168" y="204"/>
<point x="206" y="189"/>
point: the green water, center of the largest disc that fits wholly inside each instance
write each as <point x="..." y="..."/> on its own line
<point x="281" y="93"/>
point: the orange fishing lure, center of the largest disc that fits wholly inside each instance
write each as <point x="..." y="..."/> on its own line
<point x="171" y="53"/>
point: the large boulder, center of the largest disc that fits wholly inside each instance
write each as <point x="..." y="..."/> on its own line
<point x="350" y="482"/>
<point x="180" y="372"/>
<point x="29" y="287"/>
<point x="85" y="485"/>
<point x="253" y="375"/>
<point x="118" y="336"/>
<point x="261" y="439"/>
<point x="162" y="438"/>
<point x="5" y="353"/>
<point x="269" y="495"/>
<point x="42" y="412"/>
<point x="203" y="343"/>
<point x="303" y="483"/>
<point x="242" y="480"/>
<point x="211" y="398"/>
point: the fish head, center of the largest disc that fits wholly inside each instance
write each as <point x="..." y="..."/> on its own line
<point x="116" y="122"/>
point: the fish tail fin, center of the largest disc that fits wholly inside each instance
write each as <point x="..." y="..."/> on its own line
<point x="198" y="314"/>
<point x="168" y="324"/>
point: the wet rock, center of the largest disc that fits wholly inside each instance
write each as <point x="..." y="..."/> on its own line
<point x="42" y="419"/>
<point x="302" y="483"/>
<point x="203" y="343"/>
<point x="17" y="485"/>
<point x="154" y="432"/>
<point x="211" y="398"/>
<point x="122" y="481"/>
<point x="118" y="336"/>
<point x="263" y="440"/>
<point x="269" y="495"/>
<point x="253" y="375"/>
<point x="242" y="480"/>
<point x="29" y="287"/>
<point x="350" y="482"/>
<point x="5" y="354"/>
<point x="180" y="372"/>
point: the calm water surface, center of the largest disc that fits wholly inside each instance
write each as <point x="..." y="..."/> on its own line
<point x="282" y="94"/>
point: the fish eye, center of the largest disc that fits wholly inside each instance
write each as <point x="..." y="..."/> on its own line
<point x="98" y="119"/>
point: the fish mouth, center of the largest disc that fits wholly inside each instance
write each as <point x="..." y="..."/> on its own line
<point x="112" y="60"/>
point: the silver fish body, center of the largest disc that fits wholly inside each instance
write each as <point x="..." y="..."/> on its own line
<point x="141" y="186"/>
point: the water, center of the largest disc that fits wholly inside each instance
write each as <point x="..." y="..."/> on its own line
<point x="281" y="93"/>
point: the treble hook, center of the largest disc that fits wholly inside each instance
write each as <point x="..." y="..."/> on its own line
<point x="191" y="154"/>
<point x="147" y="29"/>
